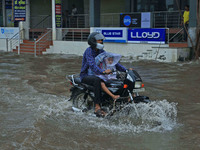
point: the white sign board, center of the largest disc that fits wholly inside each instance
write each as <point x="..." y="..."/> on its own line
<point x="146" y="20"/>
<point x="8" y="32"/>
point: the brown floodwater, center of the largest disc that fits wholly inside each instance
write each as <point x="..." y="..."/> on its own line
<point x="35" y="113"/>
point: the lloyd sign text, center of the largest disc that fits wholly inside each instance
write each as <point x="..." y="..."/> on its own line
<point x="146" y="36"/>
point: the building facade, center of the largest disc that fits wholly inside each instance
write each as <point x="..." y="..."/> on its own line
<point x="38" y="9"/>
<point x="71" y="20"/>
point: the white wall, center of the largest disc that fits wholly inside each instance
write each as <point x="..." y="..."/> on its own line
<point x="73" y="47"/>
<point x="136" y="51"/>
<point x="157" y="52"/>
<point x="129" y="49"/>
<point x="3" y="45"/>
<point x="67" y="47"/>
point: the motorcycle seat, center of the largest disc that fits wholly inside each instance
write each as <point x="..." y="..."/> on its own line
<point x="89" y="87"/>
<point x="77" y="80"/>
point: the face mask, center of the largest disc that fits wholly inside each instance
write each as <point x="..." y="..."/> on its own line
<point x="99" y="46"/>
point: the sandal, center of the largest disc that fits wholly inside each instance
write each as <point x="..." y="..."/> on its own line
<point x="100" y="113"/>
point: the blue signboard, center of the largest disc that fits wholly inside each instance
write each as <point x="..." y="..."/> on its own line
<point x="117" y="35"/>
<point x="20" y="10"/>
<point x="58" y="13"/>
<point x="146" y="36"/>
<point x="112" y="33"/>
<point x="130" y="20"/>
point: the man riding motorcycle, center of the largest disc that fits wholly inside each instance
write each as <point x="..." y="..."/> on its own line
<point x="95" y="40"/>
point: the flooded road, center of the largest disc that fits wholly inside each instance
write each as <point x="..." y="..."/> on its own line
<point x="35" y="113"/>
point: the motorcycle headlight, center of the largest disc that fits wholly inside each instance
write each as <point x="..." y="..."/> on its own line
<point x="138" y="84"/>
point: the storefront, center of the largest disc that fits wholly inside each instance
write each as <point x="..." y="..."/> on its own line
<point x="89" y="13"/>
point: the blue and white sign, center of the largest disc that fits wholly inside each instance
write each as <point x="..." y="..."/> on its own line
<point x="116" y="35"/>
<point x="8" y="32"/>
<point x="146" y="36"/>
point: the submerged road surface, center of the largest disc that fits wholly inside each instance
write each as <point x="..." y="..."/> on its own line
<point x="35" y="113"/>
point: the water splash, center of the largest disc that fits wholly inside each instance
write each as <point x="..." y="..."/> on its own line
<point x="57" y="107"/>
<point x="157" y="116"/>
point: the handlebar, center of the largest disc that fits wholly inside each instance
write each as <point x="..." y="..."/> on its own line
<point x="112" y="71"/>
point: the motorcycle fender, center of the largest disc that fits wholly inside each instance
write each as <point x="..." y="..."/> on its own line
<point x="73" y="90"/>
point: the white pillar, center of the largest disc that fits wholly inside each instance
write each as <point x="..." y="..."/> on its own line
<point x="86" y="12"/>
<point x="4" y="13"/>
<point x="26" y="24"/>
<point x="53" y="21"/>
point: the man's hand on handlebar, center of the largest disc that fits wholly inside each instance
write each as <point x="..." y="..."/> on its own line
<point x="108" y="71"/>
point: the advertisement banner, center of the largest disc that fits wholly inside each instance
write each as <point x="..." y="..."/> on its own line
<point x="20" y="10"/>
<point x="8" y="32"/>
<point x="116" y="35"/>
<point x="9" y="22"/>
<point x="136" y="20"/>
<point x="146" y="36"/>
<point x="130" y="20"/>
<point x="58" y="11"/>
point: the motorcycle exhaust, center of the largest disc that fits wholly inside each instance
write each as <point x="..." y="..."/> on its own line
<point x="79" y="110"/>
<point x="76" y="109"/>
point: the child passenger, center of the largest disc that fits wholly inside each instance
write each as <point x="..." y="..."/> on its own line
<point x="106" y="61"/>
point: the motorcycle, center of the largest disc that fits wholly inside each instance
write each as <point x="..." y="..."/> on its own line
<point x="128" y="85"/>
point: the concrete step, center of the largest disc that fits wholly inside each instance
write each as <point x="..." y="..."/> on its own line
<point x="175" y="30"/>
<point x="28" y="46"/>
<point x="178" y="45"/>
<point x="42" y="43"/>
<point x="27" y="41"/>
<point x="43" y="49"/>
<point x="38" y="30"/>
<point x="25" y="48"/>
<point x="27" y="51"/>
<point x="32" y="49"/>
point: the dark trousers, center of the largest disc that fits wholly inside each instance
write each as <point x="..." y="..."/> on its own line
<point x="96" y="83"/>
<point x="185" y="32"/>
